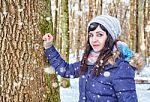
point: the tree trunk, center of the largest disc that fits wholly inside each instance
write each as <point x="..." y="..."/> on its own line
<point x="65" y="37"/>
<point x="55" y="20"/>
<point x="90" y="10"/>
<point x="65" y="29"/>
<point x="137" y="27"/>
<point x="21" y="65"/>
<point x="98" y="7"/>
<point x="146" y="13"/>
<point x="132" y="24"/>
<point x="148" y="33"/>
<point x="142" y="43"/>
<point x="59" y="30"/>
<point x="46" y="26"/>
<point x="79" y="33"/>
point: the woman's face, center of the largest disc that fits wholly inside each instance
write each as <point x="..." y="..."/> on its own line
<point x="97" y="39"/>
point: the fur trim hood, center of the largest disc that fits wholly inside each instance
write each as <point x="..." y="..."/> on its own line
<point x="137" y="61"/>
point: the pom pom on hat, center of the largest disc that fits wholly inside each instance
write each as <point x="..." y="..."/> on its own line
<point x="112" y="24"/>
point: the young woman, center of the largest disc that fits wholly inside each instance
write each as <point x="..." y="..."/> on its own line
<point x="104" y="72"/>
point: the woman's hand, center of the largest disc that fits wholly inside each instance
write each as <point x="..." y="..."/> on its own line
<point x="47" y="38"/>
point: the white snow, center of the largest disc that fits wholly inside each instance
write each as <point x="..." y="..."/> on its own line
<point x="70" y="94"/>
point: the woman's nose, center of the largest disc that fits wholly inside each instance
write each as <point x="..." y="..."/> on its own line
<point x="94" y="38"/>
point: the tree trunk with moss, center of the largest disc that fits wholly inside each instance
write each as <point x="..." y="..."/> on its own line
<point x="46" y="26"/>
<point x="65" y="37"/>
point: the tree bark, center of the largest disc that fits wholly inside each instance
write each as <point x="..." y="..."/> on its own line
<point x="132" y="24"/>
<point x="137" y="27"/>
<point x="21" y="61"/>
<point x="90" y="10"/>
<point x="65" y="37"/>
<point x="79" y="33"/>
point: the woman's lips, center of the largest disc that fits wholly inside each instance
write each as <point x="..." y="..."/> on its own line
<point x="96" y="45"/>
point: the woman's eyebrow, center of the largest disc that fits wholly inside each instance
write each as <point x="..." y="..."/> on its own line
<point x="90" y="33"/>
<point x="100" y="32"/>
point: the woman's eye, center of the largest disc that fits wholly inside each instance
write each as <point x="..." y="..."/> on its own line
<point x="99" y="35"/>
<point x="90" y="35"/>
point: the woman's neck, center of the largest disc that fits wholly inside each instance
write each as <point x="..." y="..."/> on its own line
<point x="92" y="57"/>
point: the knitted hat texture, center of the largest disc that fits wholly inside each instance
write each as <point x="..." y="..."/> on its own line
<point x="112" y="24"/>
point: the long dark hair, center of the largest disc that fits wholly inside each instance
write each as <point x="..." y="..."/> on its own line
<point x="105" y="53"/>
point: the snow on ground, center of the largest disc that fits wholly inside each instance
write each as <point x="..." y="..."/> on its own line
<point x="70" y="94"/>
<point x="142" y="89"/>
<point x="143" y="92"/>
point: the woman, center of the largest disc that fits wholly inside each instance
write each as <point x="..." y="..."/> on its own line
<point x="104" y="74"/>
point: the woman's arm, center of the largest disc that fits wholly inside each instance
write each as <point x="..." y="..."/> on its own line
<point x="63" y="68"/>
<point x="124" y="83"/>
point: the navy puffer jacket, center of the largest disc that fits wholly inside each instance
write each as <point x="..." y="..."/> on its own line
<point x="115" y="84"/>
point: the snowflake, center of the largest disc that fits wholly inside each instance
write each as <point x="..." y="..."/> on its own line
<point x="71" y="76"/>
<point x="83" y="76"/>
<point x="98" y="96"/>
<point x="62" y="69"/>
<point x="84" y="98"/>
<point x="93" y="85"/>
<point x="54" y="84"/>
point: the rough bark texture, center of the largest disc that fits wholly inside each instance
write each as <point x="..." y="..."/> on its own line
<point x="137" y="27"/>
<point x="65" y="38"/>
<point x="21" y="52"/>
<point x="90" y="10"/>
<point x="79" y="33"/>
<point x="65" y="30"/>
<point x="132" y="24"/>
<point x="46" y="26"/>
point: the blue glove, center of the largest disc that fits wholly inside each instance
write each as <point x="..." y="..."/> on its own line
<point x="126" y="52"/>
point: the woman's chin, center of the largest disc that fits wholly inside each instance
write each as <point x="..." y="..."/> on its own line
<point x="96" y="50"/>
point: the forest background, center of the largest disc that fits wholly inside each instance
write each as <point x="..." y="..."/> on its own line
<point x="23" y="66"/>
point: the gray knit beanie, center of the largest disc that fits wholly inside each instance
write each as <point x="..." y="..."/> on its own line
<point x="112" y="24"/>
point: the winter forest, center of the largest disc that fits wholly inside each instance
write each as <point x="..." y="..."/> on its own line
<point x="26" y="76"/>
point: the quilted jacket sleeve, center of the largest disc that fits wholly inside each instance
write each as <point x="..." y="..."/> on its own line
<point x="63" y="68"/>
<point x="124" y="83"/>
